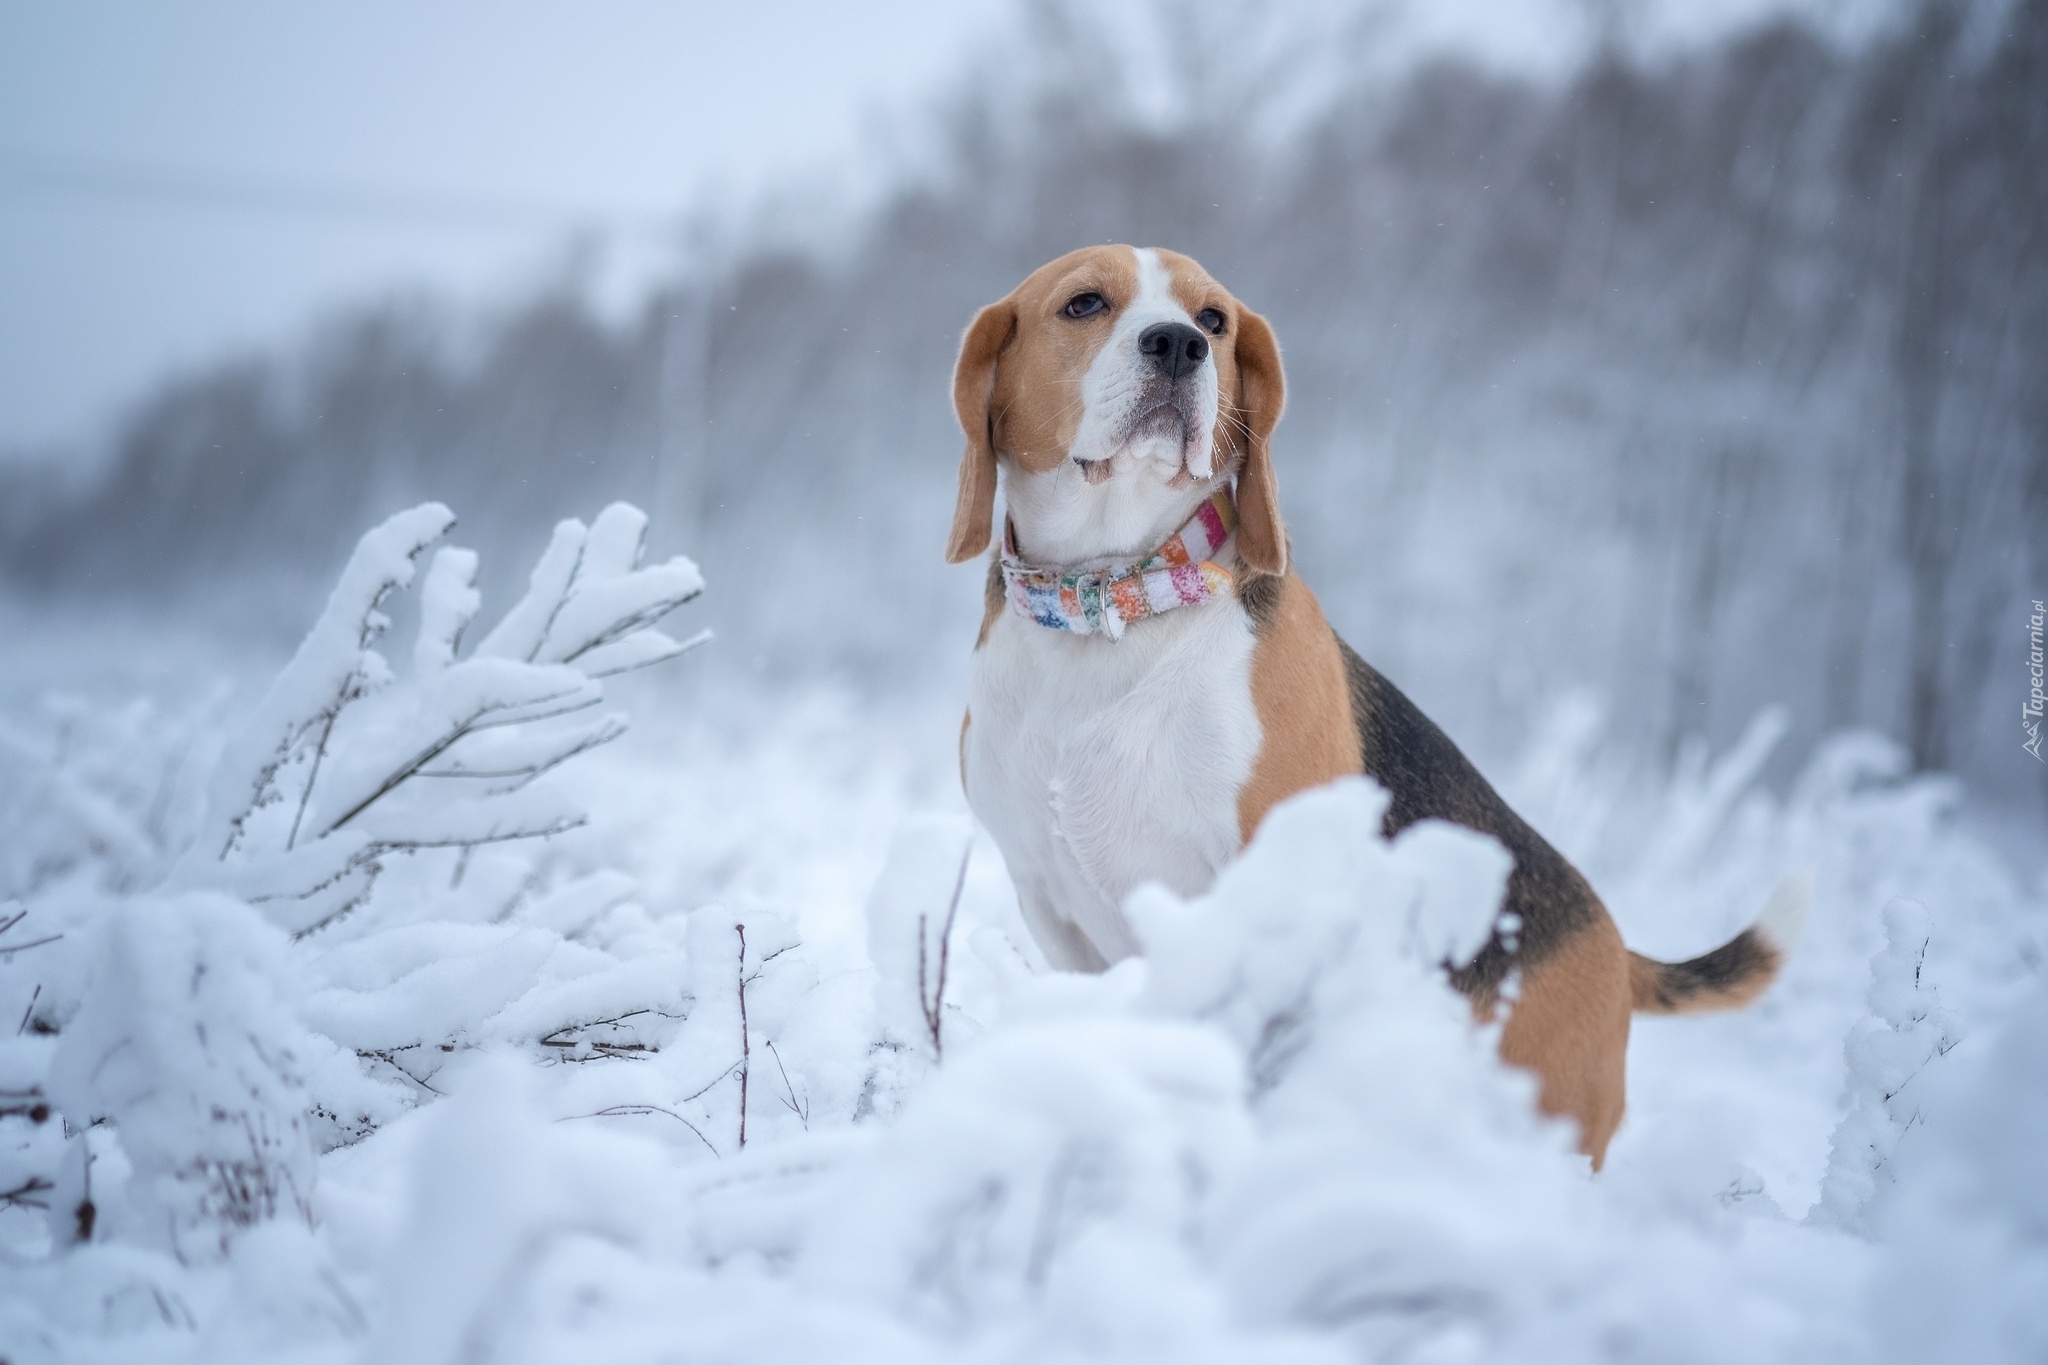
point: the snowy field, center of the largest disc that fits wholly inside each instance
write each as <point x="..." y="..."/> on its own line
<point x="406" y="1009"/>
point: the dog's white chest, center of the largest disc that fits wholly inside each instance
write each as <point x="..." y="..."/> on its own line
<point x="1100" y="765"/>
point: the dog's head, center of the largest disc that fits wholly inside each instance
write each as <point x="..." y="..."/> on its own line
<point x="1117" y="386"/>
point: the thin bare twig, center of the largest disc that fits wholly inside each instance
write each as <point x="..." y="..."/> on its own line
<point x="312" y="776"/>
<point x="615" y="1050"/>
<point x="540" y="832"/>
<point x="520" y="718"/>
<point x="746" y="1051"/>
<point x="527" y="772"/>
<point x="266" y="777"/>
<point x="933" y="1005"/>
<point x="24" y="1104"/>
<point x="22" y="1195"/>
<point x="701" y="637"/>
<point x="32" y="943"/>
<point x="389" y="1057"/>
<point x="475" y="721"/>
<point x="16" y="918"/>
<point x="640" y="1111"/>
<point x="569" y="586"/>
<point x="705" y="1089"/>
<point x="618" y="1018"/>
<point x="367" y="858"/>
<point x="803" y="1111"/>
<point x="260" y="787"/>
<point x="26" y="1014"/>
<point x="625" y="626"/>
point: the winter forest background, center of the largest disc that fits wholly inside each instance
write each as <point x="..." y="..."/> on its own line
<point x="1672" y="427"/>
<point x="1706" y="382"/>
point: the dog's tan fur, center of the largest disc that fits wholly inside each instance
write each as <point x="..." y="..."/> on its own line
<point x="1323" y="713"/>
<point x="1570" y="1027"/>
<point x="1304" y="709"/>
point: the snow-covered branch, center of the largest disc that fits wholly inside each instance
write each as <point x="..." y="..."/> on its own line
<point x="343" y="761"/>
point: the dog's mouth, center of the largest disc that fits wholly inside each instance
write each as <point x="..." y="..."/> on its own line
<point x="1165" y="431"/>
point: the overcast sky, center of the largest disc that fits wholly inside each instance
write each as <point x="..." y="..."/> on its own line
<point x="178" y="180"/>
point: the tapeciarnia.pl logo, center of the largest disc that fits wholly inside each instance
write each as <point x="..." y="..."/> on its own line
<point x="2030" y="714"/>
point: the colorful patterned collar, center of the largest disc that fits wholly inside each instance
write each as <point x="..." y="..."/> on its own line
<point x="1179" y="573"/>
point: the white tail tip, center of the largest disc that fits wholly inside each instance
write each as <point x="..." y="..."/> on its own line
<point x="1784" y="918"/>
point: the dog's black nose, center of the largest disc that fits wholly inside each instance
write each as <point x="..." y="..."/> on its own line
<point x="1174" y="347"/>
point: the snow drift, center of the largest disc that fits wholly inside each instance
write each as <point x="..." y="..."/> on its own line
<point x="375" y="1056"/>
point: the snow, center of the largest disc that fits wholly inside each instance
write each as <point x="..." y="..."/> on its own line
<point x="182" y="1040"/>
<point x="751" y="1060"/>
<point x="1906" y="1031"/>
<point x="1963" y="1225"/>
<point x="589" y="599"/>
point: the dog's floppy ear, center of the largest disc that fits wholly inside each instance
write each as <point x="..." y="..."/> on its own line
<point x="1261" y="393"/>
<point x="974" y="382"/>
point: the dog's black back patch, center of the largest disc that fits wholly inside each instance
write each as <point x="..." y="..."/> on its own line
<point x="1429" y="779"/>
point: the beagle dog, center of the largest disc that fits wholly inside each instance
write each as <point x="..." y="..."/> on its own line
<point x="1151" y="678"/>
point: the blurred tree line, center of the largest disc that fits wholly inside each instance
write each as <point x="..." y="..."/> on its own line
<point x="1707" y="382"/>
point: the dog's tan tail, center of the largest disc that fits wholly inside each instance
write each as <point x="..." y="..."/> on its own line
<point x="1733" y="974"/>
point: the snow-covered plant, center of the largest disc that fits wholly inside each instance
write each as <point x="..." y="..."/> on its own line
<point x="343" y="761"/>
<point x="106" y="794"/>
<point x="31" y="1137"/>
<point x="164" y="1085"/>
<point x="186" y="1042"/>
<point x="729" y="1077"/>
<point x="1907" y="1030"/>
<point x="1225" y="1111"/>
<point x="911" y="915"/>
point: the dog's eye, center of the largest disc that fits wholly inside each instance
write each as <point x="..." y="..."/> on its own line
<point x="1081" y="305"/>
<point x="1210" y="321"/>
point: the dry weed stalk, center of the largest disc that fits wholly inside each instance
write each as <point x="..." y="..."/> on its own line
<point x="931" y="1002"/>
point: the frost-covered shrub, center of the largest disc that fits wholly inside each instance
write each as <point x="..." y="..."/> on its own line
<point x="1123" y="1136"/>
<point x="1277" y="1136"/>
<point x="31" y="1132"/>
<point x="490" y="1191"/>
<point x="106" y="795"/>
<point x="191" y="1059"/>
<point x="342" y="762"/>
<point x="185" y="1040"/>
<point x="1908" y="1031"/>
